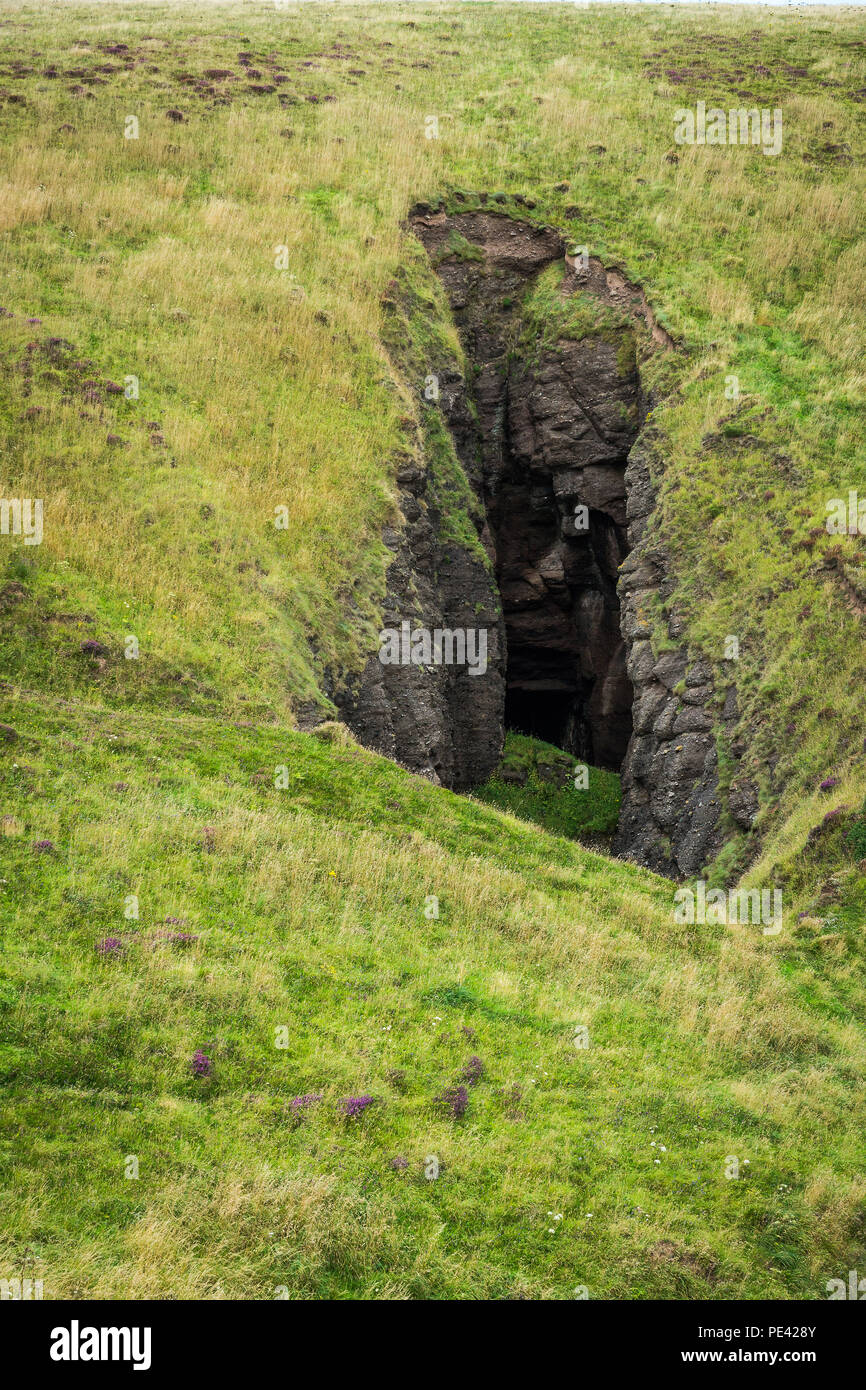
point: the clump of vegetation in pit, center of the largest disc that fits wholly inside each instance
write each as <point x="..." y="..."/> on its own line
<point x="549" y="315"/>
<point x="542" y="784"/>
<point x="458" y="246"/>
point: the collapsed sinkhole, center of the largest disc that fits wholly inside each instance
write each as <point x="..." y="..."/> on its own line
<point x="543" y="424"/>
<point x="530" y="535"/>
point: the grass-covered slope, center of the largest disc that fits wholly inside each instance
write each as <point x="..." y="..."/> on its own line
<point x="290" y="934"/>
<point x="236" y="258"/>
<point x="286" y="884"/>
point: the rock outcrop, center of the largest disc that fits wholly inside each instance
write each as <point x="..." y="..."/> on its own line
<point x="671" y="804"/>
<point x="548" y="432"/>
<point x="440" y="721"/>
<point x="554" y="426"/>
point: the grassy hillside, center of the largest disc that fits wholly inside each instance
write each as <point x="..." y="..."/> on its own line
<point x="238" y="259"/>
<point x="269" y="388"/>
<point x="308" y="908"/>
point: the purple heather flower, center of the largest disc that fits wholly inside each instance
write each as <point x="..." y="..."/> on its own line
<point x="34" y="320"/>
<point x="353" y="1106"/>
<point x="399" y="1163"/>
<point x="829" y="783"/>
<point x="473" y="1071"/>
<point x="110" y="946"/>
<point x="201" y="1064"/>
<point x="301" y="1103"/>
<point x="178" y="938"/>
<point x="456" y="1098"/>
<point x="44" y="847"/>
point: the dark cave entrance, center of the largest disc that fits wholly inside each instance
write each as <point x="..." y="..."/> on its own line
<point x="543" y="425"/>
<point x="557" y="563"/>
<point x="541" y="713"/>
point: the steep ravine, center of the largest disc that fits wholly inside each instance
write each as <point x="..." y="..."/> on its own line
<point x="549" y="429"/>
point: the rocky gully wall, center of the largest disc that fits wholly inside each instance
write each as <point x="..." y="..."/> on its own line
<point x="548" y="432"/>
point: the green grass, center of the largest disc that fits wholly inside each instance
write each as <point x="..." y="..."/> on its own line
<point x="261" y="389"/>
<point x="540" y="783"/>
<point x="548" y="318"/>
<point x="311" y="908"/>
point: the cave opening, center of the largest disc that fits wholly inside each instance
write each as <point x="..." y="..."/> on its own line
<point x="557" y="566"/>
<point x="541" y="713"/>
<point x="543" y="423"/>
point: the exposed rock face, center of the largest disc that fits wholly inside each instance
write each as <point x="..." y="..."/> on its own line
<point x="558" y="516"/>
<point x="554" y="430"/>
<point x="669" y="820"/>
<point x="439" y="721"/>
<point x="549" y="439"/>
